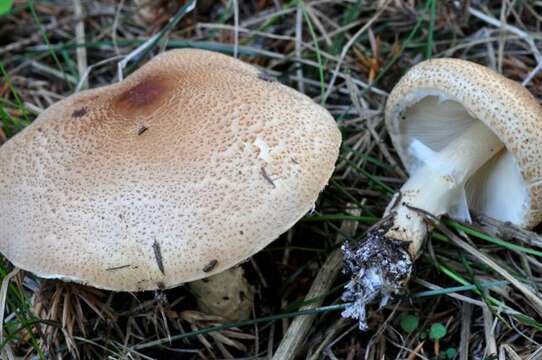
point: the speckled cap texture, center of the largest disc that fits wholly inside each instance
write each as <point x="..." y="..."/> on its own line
<point x="187" y="167"/>
<point x="503" y="105"/>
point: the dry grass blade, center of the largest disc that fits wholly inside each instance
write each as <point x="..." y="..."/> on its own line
<point x="331" y="333"/>
<point x="200" y="320"/>
<point x="299" y="328"/>
<point x="466" y="318"/>
<point x="454" y="295"/>
<point x="347" y="47"/>
<point x="507" y="231"/>
<point x="80" y="40"/>
<point x="507" y="352"/>
<point x="3" y="294"/>
<point x="536" y="300"/>
<point x="537" y="355"/>
<point x="489" y="331"/>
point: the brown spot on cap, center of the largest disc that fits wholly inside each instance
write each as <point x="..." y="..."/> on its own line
<point x="144" y="97"/>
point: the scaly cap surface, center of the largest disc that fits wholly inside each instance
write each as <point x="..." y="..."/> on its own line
<point x="187" y="167"/>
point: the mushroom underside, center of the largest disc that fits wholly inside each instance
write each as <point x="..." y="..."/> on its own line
<point x="434" y="120"/>
<point x="456" y="163"/>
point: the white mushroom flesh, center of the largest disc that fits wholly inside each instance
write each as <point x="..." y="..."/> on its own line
<point x="438" y="184"/>
<point x="495" y="189"/>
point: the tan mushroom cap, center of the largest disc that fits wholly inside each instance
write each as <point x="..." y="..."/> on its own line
<point x="504" y="106"/>
<point x="187" y="167"/>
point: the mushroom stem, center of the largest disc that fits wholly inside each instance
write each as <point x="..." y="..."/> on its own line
<point x="438" y="186"/>
<point x="227" y="294"/>
<point x="382" y="263"/>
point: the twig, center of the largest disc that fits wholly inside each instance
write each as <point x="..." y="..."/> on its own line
<point x="3" y="295"/>
<point x="370" y="123"/>
<point x="378" y="333"/>
<point x="298" y="39"/>
<point x="347" y="47"/>
<point x="491" y="343"/>
<point x="51" y="26"/>
<point x="312" y="12"/>
<point x="507" y="352"/>
<point x="284" y="264"/>
<point x="330" y="334"/>
<point x="522" y="34"/>
<point x="328" y="352"/>
<point x="115" y="27"/>
<point x="235" y="5"/>
<point x="466" y="318"/>
<point x="81" y="50"/>
<point x="84" y="78"/>
<point x="535" y="300"/>
<point x="454" y="295"/>
<point x="491" y="51"/>
<point x="507" y="231"/>
<point x="537" y="355"/>
<point x="501" y="37"/>
<point x="300" y="327"/>
<point x="144" y="48"/>
<point x="54" y="72"/>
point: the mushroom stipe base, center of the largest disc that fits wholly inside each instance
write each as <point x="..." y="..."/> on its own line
<point x="378" y="267"/>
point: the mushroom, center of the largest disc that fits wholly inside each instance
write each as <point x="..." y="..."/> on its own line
<point x="469" y="138"/>
<point x="186" y="168"/>
<point x="227" y="294"/>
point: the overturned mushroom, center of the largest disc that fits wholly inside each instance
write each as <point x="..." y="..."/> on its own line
<point x="469" y="138"/>
<point x="186" y="168"/>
